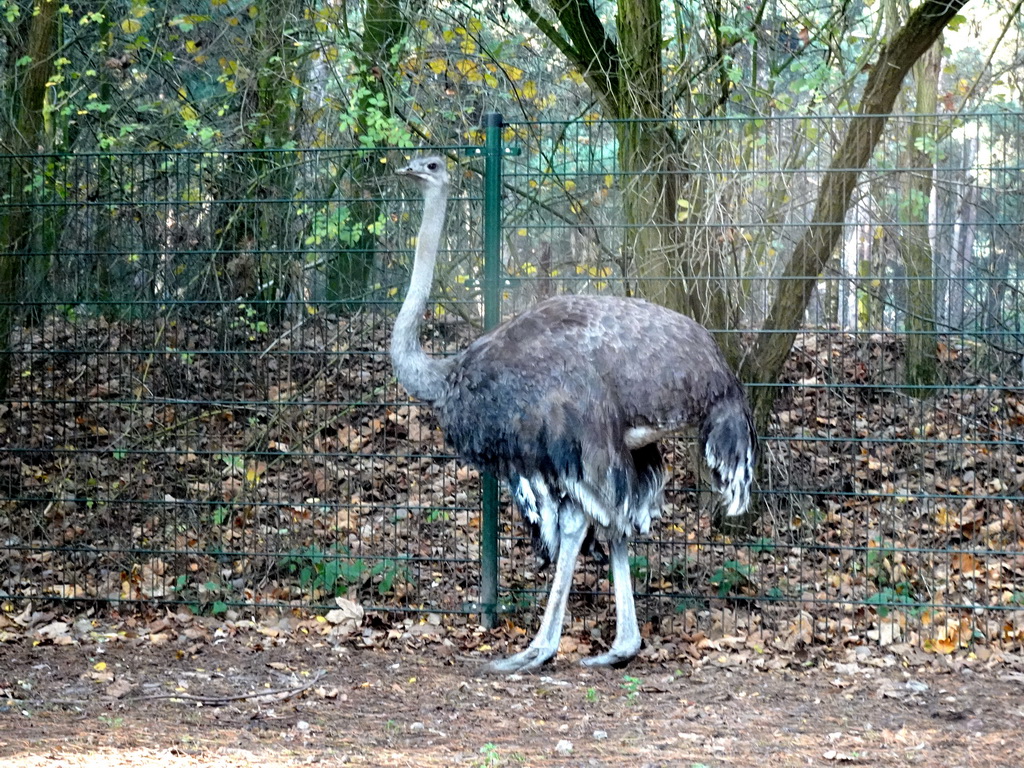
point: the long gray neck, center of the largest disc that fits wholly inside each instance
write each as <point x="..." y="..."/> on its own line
<point x="422" y="376"/>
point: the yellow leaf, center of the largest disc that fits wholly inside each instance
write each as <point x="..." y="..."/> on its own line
<point x="529" y="90"/>
<point x="191" y="46"/>
<point x="491" y="80"/>
<point x="474" y="24"/>
<point x="437" y="66"/>
<point x="942" y="645"/>
<point x="521" y="231"/>
<point x="188" y="113"/>
<point x="131" y="26"/>
<point x="570" y="186"/>
<point x="99" y="667"/>
<point x="465" y="66"/>
<point x="254" y="471"/>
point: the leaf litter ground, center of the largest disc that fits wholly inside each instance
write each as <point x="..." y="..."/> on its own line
<point x="316" y="450"/>
<point x="293" y="469"/>
<point x="183" y="692"/>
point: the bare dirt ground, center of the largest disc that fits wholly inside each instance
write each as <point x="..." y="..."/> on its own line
<point x="211" y="697"/>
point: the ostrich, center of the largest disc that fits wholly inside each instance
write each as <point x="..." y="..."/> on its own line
<point x="566" y="403"/>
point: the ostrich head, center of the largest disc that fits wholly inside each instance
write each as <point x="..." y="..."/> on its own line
<point x="428" y="172"/>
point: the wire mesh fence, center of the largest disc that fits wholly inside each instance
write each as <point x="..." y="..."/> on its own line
<point x="199" y="407"/>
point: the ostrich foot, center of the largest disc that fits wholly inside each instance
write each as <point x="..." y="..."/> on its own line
<point x="524" y="661"/>
<point x="618" y="655"/>
<point x="613" y="658"/>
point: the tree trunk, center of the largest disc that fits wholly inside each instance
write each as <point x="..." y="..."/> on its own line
<point x="677" y="264"/>
<point x="351" y="268"/>
<point x="961" y="248"/>
<point x="263" y="246"/>
<point x="922" y="365"/>
<point x="814" y="249"/>
<point x="28" y="97"/>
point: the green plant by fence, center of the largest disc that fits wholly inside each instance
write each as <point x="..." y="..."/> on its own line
<point x="199" y="407"/>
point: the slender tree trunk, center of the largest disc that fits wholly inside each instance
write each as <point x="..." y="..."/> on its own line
<point x="678" y="264"/>
<point x="646" y="155"/>
<point x="351" y="269"/>
<point x="962" y="239"/>
<point x="27" y="135"/>
<point x="262" y="250"/>
<point x="921" y="363"/>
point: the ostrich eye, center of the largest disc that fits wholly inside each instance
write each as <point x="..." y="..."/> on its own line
<point x="431" y="166"/>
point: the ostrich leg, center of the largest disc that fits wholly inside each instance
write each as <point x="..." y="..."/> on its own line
<point x="627" y="632"/>
<point x="573" y="529"/>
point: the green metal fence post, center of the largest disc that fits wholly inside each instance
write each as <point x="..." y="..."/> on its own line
<point x="492" y="316"/>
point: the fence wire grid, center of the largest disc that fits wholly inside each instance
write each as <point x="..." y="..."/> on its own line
<point x="199" y="408"/>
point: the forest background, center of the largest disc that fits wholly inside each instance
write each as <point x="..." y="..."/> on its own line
<point x="201" y="240"/>
<point x="137" y="76"/>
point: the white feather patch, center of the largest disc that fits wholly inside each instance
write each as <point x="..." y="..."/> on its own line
<point x="735" y="488"/>
<point x="542" y="510"/>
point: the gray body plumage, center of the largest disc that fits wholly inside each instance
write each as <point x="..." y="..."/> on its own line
<point x="566" y="396"/>
<point x="566" y="403"/>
